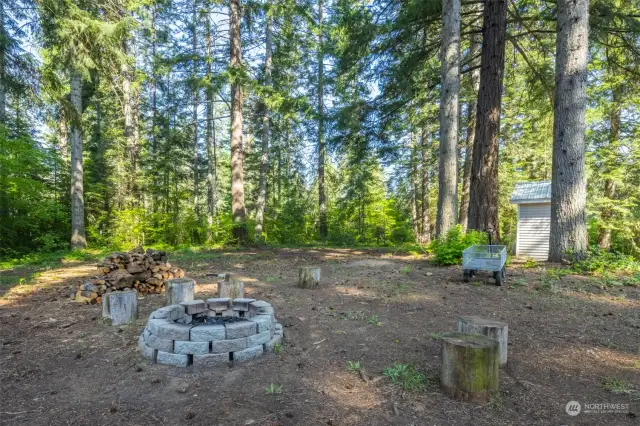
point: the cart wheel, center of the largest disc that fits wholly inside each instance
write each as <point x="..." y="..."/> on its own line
<point x="499" y="276"/>
<point x="466" y="275"/>
<point x="473" y="272"/>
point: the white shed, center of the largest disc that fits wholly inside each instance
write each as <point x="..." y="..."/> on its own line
<point x="534" y="218"/>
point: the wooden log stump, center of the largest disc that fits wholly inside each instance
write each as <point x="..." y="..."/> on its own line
<point x="470" y="366"/>
<point x="231" y="289"/>
<point x="309" y="277"/>
<point x="487" y="327"/>
<point x="179" y="290"/>
<point x="121" y="307"/>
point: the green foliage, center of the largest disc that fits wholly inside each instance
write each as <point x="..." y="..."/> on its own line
<point x="619" y="386"/>
<point x="406" y="376"/>
<point x="278" y="348"/>
<point x="373" y="320"/>
<point x="273" y="389"/>
<point x="448" y="251"/>
<point x="597" y="261"/>
<point x="353" y="365"/>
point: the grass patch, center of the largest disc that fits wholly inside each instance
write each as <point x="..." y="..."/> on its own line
<point x="406" y="376"/>
<point x="273" y="389"/>
<point x="618" y="386"/>
<point x="373" y="320"/>
<point x="354" y="366"/>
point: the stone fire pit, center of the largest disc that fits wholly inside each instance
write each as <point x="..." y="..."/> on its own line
<point x="210" y="333"/>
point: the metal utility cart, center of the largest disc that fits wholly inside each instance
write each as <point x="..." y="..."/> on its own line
<point x="489" y="257"/>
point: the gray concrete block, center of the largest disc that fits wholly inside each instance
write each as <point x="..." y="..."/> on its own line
<point x="178" y="360"/>
<point x="259" y="339"/>
<point x="270" y="345"/>
<point x="171" y="312"/>
<point x="194" y="307"/>
<point x="190" y="348"/>
<point x="230" y="313"/>
<point x="186" y="319"/>
<point x="264" y="322"/>
<point x="211" y="360"/>
<point x="219" y="304"/>
<point x="154" y="325"/>
<point x="220" y="346"/>
<point x="260" y="307"/>
<point x="165" y="345"/>
<point x="173" y="331"/>
<point x="278" y="329"/>
<point x="235" y="330"/>
<point x="207" y="333"/>
<point x="146" y="351"/>
<point x="242" y="304"/>
<point x="247" y="354"/>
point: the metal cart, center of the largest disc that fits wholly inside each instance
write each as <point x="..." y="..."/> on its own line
<point x="489" y="257"/>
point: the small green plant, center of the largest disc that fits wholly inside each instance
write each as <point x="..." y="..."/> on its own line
<point x="273" y="389"/>
<point x="436" y="336"/>
<point x="373" y="319"/>
<point x="405" y="269"/>
<point x="618" y="386"/>
<point x="353" y="365"/>
<point x="278" y="348"/>
<point x="407" y="376"/>
<point x="270" y="279"/>
<point x="520" y="282"/>
<point x="530" y="263"/>
<point x="448" y="250"/>
<point x="353" y="315"/>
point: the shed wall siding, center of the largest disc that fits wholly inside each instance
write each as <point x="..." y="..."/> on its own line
<point x="534" y="224"/>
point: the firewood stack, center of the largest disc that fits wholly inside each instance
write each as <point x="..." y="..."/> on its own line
<point x="143" y="271"/>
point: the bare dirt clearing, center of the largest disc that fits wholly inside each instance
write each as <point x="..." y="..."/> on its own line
<point x="61" y="364"/>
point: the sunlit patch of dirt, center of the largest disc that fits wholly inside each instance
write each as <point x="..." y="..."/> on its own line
<point x="354" y="291"/>
<point x="349" y="390"/>
<point x="614" y="301"/>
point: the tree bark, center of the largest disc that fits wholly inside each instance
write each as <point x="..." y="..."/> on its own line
<point x="212" y="166"/>
<point x="264" y="155"/>
<point x="129" y="126"/>
<point x="472" y="106"/>
<point x="196" y="157"/>
<point x="415" y="192"/>
<point x="237" y="155"/>
<point x="606" y="214"/>
<point x="322" y="197"/>
<point x="3" y="89"/>
<point x="447" y="213"/>
<point x="309" y="276"/>
<point x="78" y="238"/>
<point x="569" y="179"/>
<point x="425" y="154"/>
<point x="483" y="194"/>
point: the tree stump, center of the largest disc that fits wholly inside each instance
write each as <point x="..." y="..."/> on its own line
<point x="494" y="329"/>
<point x="179" y="290"/>
<point x="309" y="277"/>
<point x="470" y="366"/>
<point x="231" y="289"/>
<point x="121" y="307"/>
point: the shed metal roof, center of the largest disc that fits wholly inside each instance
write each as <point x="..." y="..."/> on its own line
<point x="531" y="192"/>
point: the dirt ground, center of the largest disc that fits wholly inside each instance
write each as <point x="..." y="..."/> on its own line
<point x="60" y="363"/>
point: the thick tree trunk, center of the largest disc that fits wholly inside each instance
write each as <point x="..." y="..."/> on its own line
<point x="78" y="238"/>
<point x="237" y="155"/>
<point x="129" y="123"/>
<point x="3" y="89"/>
<point x="425" y="154"/>
<point x="63" y="135"/>
<point x="196" y="155"/>
<point x="322" y="196"/>
<point x="472" y="106"/>
<point x="447" y="213"/>
<point x="309" y="276"/>
<point x="212" y="181"/>
<point x="569" y="179"/>
<point x="606" y="214"/>
<point x="154" y="85"/>
<point x="483" y="194"/>
<point x="264" y="155"/>
<point x="415" y="192"/>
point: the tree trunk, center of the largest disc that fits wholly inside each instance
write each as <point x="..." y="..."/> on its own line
<point x="494" y="329"/>
<point x="196" y="157"/>
<point x="449" y="92"/>
<point x="483" y="194"/>
<point x="212" y="184"/>
<point x="472" y="106"/>
<point x="425" y="154"/>
<point x="606" y="214"/>
<point x="309" y="277"/>
<point x="569" y="179"/>
<point x="264" y="156"/>
<point x="63" y="135"/>
<point x="78" y="238"/>
<point x="120" y="307"/>
<point x="179" y="290"/>
<point x="129" y="132"/>
<point x="3" y="89"/>
<point x="322" y="197"/>
<point x="415" y="193"/>
<point x="154" y="84"/>
<point x="237" y="169"/>
<point x="231" y="289"/>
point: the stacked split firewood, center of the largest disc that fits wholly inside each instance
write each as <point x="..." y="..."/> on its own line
<point x="143" y="271"/>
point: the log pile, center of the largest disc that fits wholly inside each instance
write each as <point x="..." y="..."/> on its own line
<point x="144" y="271"/>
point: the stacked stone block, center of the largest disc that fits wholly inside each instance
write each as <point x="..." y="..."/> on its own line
<point x="170" y="337"/>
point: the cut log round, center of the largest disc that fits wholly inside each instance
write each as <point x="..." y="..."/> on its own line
<point x="121" y="307"/>
<point x="231" y="289"/>
<point x="487" y="327"/>
<point x="179" y="290"/>
<point x="470" y="366"/>
<point x="309" y="277"/>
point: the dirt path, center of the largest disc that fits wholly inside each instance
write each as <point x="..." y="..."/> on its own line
<point x="61" y="364"/>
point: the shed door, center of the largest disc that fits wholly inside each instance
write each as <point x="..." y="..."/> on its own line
<point x="534" y="223"/>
